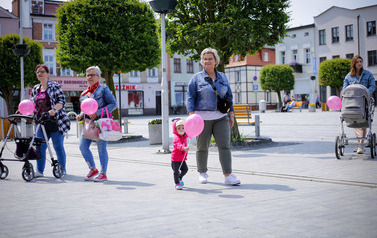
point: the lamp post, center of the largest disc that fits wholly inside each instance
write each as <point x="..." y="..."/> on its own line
<point x="163" y="7"/>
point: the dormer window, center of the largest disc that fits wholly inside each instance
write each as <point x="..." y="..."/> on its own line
<point x="36" y="9"/>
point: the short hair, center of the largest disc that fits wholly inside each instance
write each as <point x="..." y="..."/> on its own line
<point x="212" y="51"/>
<point x="96" y="68"/>
<point x="42" y="66"/>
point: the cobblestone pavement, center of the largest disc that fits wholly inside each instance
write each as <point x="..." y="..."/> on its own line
<point x="294" y="187"/>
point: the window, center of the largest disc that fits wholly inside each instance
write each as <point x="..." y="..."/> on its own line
<point x="190" y="66"/>
<point x="335" y="34"/>
<point x="134" y="73"/>
<point x="236" y="58"/>
<point x="177" y="65"/>
<point x="36" y="9"/>
<point x="265" y="56"/>
<point x="49" y="61"/>
<point x="371" y="28"/>
<point x="237" y="76"/>
<point x="237" y="97"/>
<point x="322" y="37"/>
<point x="66" y="72"/>
<point x="307" y="56"/>
<point x="294" y="53"/>
<point x="372" y="57"/>
<point x="283" y="57"/>
<point x="349" y="56"/>
<point x="321" y="59"/>
<point x="180" y="95"/>
<point x="294" y="36"/>
<point x="47" y="32"/>
<point x="335" y="56"/>
<point x="152" y="73"/>
<point x="349" y="32"/>
<point x="306" y="34"/>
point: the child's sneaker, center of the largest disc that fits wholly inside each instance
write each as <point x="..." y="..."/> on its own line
<point x="178" y="187"/>
<point x="101" y="178"/>
<point x="91" y="174"/>
<point x="181" y="183"/>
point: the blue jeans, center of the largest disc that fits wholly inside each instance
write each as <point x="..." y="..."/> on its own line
<point x="88" y="156"/>
<point x="58" y="143"/>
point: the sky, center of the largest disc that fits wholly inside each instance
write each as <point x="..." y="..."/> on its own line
<point x="301" y="11"/>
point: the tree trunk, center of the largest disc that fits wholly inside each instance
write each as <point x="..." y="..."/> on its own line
<point x="279" y="97"/>
<point x="8" y="97"/>
<point x="110" y="83"/>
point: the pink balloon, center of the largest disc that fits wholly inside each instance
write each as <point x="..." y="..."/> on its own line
<point x="334" y="103"/>
<point x="194" y="125"/>
<point x="89" y="106"/>
<point x="26" y="107"/>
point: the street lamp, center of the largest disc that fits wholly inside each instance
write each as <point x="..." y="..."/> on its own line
<point x="163" y="7"/>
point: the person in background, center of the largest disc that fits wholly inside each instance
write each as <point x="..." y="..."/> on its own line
<point x="202" y="100"/>
<point x="179" y="153"/>
<point x="104" y="97"/>
<point x="290" y="105"/>
<point x="49" y="97"/>
<point x="362" y="76"/>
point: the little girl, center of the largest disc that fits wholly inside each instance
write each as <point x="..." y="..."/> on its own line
<point x="179" y="153"/>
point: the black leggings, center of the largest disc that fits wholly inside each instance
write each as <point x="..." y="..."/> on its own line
<point x="179" y="175"/>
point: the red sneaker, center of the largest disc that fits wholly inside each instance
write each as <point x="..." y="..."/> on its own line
<point x="101" y="178"/>
<point x="91" y="174"/>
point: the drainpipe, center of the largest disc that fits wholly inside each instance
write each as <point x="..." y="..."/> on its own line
<point x="358" y="35"/>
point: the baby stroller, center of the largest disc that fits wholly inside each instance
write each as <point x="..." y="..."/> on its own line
<point x="25" y="148"/>
<point x="357" y="112"/>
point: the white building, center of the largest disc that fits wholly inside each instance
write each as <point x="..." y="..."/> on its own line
<point x="297" y="50"/>
<point x="344" y="33"/>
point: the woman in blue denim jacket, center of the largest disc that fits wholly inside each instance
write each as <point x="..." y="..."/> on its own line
<point x="202" y="100"/>
<point x="362" y="76"/>
<point x="104" y="98"/>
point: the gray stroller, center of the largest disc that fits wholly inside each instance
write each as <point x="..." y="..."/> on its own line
<point x="357" y="112"/>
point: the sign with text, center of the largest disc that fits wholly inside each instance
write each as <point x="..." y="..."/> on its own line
<point x="71" y="83"/>
<point x="128" y="87"/>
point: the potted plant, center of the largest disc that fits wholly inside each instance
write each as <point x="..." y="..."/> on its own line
<point x="155" y="131"/>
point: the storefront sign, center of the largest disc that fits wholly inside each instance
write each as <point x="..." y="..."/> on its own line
<point x="128" y="87"/>
<point x="71" y="83"/>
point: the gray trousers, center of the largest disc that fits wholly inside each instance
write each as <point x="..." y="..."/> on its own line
<point x="220" y="129"/>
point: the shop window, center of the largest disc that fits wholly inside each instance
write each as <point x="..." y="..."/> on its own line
<point x="135" y="102"/>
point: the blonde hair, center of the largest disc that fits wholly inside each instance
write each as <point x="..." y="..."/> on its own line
<point x="353" y="65"/>
<point x="95" y="68"/>
<point x="208" y="51"/>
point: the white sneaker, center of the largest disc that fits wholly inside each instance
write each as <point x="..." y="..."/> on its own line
<point x="37" y="174"/>
<point x="232" y="180"/>
<point x="360" y="150"/>
<point x="203" y="177"/>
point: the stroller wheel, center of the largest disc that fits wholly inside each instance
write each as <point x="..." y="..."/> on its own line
<point x="372" y="144"/>
<point x="339" y="148"/>
<point x="28" y="172"/>
<point x="4" y="171"/>
<point x="58" y="170"/>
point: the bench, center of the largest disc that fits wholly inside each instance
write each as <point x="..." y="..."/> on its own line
<point x="243" y="115"/>
<point x="298" y="105"/>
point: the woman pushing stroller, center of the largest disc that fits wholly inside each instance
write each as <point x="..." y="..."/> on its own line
<point x="359" y="75"/>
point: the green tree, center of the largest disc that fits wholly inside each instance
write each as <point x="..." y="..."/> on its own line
<point x="277" y="78"/>
<point x="332" y="73"/>
<point x="116" y="35"/>
<point x="230" y="26"/>
<point x="10" y="68"/>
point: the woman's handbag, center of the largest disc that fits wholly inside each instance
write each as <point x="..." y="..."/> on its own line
<point x="90" y="130"/>
<point x="109" y="129"/>
<point x="51" y="125"/>
<point x="223" y="104"/>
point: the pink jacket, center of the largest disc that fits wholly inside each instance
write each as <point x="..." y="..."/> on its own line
<point x="178" y="154"/>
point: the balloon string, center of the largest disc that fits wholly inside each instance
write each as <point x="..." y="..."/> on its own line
<point x="186" y="152"/>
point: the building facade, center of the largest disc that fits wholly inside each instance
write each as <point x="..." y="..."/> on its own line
<point x="344" y="33"/>
<point x="243" y="75"/>
<point x="297" y="50"/>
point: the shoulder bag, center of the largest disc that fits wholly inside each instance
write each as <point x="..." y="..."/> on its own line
<point x="109" y="130"/>
<point x="223" y="104"/>
<point x="90" y="130"/>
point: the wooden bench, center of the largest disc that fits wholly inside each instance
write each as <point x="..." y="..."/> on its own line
<point x="243" y="115"/>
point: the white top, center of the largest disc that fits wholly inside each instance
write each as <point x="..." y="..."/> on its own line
<point x="210" y="115"/>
